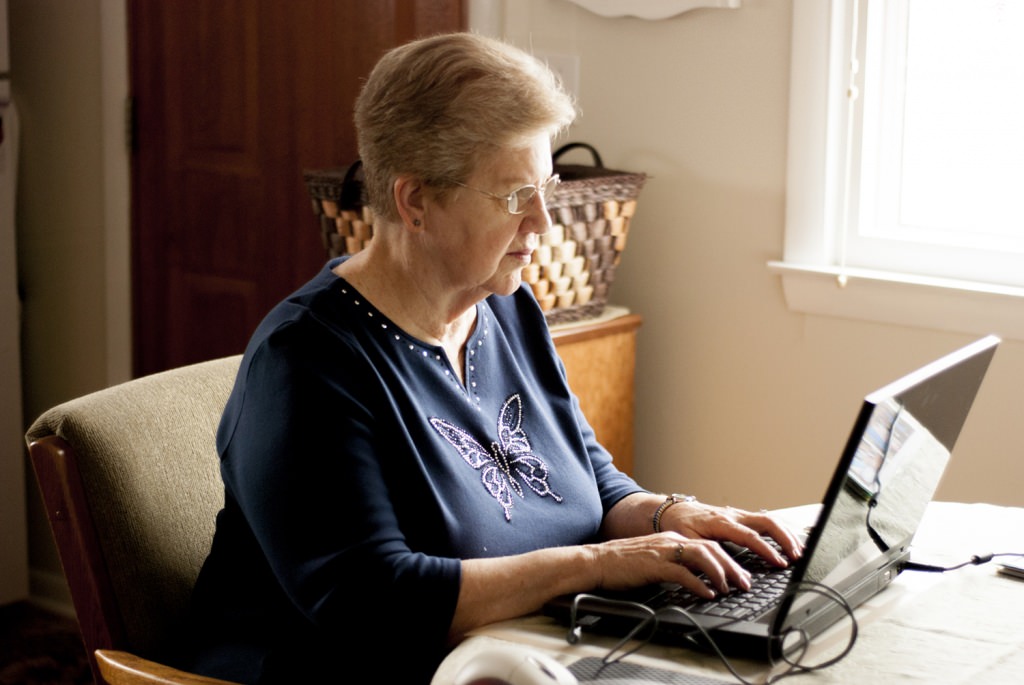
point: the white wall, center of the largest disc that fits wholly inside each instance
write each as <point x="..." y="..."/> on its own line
<point x="740" y="400"/>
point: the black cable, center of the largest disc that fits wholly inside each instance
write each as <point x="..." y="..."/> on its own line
<point x="837" y="597"/>
<point x="876" y="483"/>
<point x="651" y="620"/>
<point x="576" y="631"/>
<point x="975" y="560"/>
<point x="881" y="544"/>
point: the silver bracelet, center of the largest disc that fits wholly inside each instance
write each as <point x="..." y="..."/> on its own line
<point x="669" y="501"/>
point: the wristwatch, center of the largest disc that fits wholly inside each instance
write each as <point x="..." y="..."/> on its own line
<point x="669" y="501"/>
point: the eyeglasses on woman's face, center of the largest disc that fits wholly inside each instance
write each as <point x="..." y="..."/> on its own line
<point x="519" y="199"/>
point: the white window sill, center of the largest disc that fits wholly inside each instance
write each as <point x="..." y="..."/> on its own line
<point x="903" y="299"/>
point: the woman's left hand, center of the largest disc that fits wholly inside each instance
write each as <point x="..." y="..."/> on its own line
<point x="699" y="520"/>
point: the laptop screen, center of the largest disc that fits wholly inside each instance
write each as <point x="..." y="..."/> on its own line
<point x="894" y="459"/>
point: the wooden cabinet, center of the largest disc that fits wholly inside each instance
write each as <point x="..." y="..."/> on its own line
<point x="600" y="361"/>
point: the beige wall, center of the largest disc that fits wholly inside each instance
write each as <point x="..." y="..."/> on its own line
<point x="69" y="79"/>
<point x="13" y="530"/>
<point x="740" y="400"/>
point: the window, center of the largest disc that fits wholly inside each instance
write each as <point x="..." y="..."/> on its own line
<point x="906" y="156"/>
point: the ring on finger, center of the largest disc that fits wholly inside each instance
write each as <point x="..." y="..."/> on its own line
<point x="679" y="553"/>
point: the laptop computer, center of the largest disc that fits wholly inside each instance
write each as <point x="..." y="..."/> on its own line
<point x="897" y="451"/>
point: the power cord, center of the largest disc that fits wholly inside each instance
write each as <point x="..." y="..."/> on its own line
<point x="651" y="618"/>
<point x="976" y="560"/>
<point x="647" y="626"/>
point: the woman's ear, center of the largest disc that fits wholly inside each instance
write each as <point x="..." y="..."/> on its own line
<point x="409" y="195"/>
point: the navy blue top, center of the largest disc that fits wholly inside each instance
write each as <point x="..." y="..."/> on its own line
<point x="358" y="470"/>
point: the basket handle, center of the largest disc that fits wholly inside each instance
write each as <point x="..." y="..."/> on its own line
<point x="351" y="192"/>
<point x="572" y="146"/>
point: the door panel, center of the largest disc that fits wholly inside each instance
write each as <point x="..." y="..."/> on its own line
<point x="233" y="99"/>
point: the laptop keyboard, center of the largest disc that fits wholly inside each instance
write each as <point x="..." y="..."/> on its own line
<point x="767" y="585"/>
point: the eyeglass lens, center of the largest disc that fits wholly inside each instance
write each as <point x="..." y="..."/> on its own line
<point x="521" y="197"/>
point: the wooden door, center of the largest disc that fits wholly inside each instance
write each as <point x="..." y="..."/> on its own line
<point x="232" y="100"/>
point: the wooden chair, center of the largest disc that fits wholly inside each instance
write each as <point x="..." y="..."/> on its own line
<point x="130" y="481"/>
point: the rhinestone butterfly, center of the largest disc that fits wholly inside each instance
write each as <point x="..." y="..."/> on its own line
<point x="509" y="459"/>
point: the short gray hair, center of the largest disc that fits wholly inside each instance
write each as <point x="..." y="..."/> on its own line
<point x="435" y="107"/>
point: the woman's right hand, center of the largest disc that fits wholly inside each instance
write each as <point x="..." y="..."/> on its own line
<point x="667" y="557"/>
<point x="498" y="588"/>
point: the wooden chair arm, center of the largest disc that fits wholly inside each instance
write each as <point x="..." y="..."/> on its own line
<point x="124" y="668"/>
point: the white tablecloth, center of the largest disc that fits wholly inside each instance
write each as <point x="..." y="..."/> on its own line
<point x="964" y="626"/>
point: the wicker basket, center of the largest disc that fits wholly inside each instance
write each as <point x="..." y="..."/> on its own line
<point x="574" y="266"/>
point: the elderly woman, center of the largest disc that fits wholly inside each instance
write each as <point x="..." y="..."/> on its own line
<point x="403" y="459"/>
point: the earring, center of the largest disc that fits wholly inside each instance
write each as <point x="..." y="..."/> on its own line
<point x="416" y="222"/>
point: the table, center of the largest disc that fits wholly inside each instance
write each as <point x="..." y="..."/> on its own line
<point x="600" y="362"/>
<point x="964" y="626"/>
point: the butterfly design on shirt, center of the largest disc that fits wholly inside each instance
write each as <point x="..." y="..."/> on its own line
<point x="509" y="461"/>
